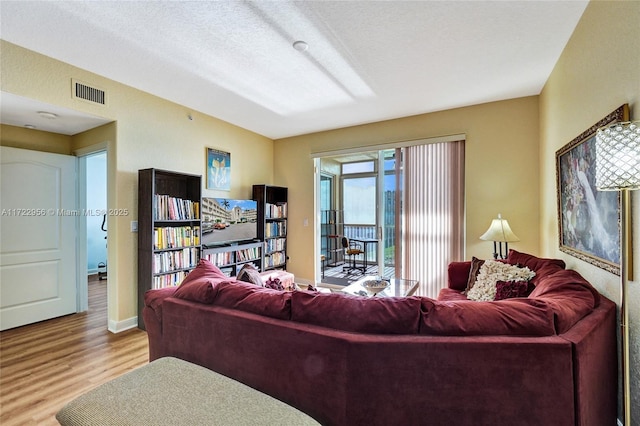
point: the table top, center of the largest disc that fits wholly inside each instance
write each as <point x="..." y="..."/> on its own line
<point x="398" y="287"/>
<point x="365" y="240"/>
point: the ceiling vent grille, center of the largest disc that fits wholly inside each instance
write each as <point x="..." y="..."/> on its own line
<point x="85" y="92"/>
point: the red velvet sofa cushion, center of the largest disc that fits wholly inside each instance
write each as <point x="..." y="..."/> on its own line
<point x="540" y="265"/>
<point x="255" y="299"/>
<point x="458" y="274"/>
<point x="373" y="315"/>
<point x="199" y="284"/>
<point x="569" y="295"/>
<point x="512" y="317"/>
<point x="204" y="269"/>
<point x="451" y="294"/>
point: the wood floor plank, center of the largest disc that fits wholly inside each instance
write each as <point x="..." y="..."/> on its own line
<point x="45" y="365"/>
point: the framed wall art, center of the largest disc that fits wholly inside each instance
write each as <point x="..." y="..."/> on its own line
<point x="218" y="169"/>
<point x="589" y="220"/>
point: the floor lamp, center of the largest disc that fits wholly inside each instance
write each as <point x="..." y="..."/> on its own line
<point x="618" y="169"/>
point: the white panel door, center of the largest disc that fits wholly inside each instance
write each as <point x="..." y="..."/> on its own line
<point x="37" y="236"/>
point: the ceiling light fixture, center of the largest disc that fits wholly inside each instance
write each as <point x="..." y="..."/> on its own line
<point x="47" y="115"/>
<point x="300" y="46"/>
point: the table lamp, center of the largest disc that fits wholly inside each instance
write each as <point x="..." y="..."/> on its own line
<point x="500" y="232"/>
<point x="618" y="169"/>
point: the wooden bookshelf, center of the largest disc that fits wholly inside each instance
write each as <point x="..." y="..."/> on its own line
<point x="169" y="229"/>
<point x="272" y="224"/>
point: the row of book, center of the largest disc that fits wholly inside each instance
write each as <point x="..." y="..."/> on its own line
<point x="169" y="280"/>
<point x="168" y="261"/>
<point x="219" y="259"/>
<point x="175" y="237"/>
<point x="173" y="208"/>
<point x="275" y="244"/>
<point x="274" y="259"/>
<point x="275" y="229"/>
<point x="248" y="254"/>
<point x="275" y="211"/>
<point x="229" y="257"/>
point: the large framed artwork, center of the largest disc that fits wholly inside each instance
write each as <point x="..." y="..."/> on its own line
<point x="589" y="220"/>
<point x="218" y="169"/>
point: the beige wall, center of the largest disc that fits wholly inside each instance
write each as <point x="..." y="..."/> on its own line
<point x="598" y="71"/>
<point x="148" y="132"/>
<point x="36" y="140"/>
<point x="501" y="171"/>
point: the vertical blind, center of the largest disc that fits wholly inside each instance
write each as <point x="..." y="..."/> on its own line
<point x="434" y="213"/>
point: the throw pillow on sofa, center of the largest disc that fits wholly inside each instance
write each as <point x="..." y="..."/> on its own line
<point x="250" y="274"/>
<point x="476" y="264"/>
<point x="511" y="289"/>
<point x="512" y="317"/>
<point x="493" y="271"/>
<point x="247" y="297"/>
<point x="198" y="286"/>
<point x="540" y="265"/>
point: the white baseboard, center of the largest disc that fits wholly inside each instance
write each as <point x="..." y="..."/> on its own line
<point x="303" y="281"/>
<point x="119" y="326"/>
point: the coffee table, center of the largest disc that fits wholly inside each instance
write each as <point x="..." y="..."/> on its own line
<point x="398" y="287"/>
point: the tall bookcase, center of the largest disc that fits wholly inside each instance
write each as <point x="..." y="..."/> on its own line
<point x="272" y="224"/>
<point x="169" y="229"/>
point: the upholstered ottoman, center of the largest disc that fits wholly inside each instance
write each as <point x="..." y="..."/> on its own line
<point x="169" y="391"/>
<point x="287" y="279"/>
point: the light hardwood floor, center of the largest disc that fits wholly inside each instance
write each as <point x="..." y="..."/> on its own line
<point x="45" y="365"/>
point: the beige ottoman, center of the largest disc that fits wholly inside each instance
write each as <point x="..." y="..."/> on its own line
<point x="172" y="392"/>
<point x="287" y="279"/>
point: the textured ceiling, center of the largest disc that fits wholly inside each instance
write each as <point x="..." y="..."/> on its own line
<point x="366" y="61"/>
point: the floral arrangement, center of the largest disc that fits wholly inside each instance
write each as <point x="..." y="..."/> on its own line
<point x="490" y="273"/>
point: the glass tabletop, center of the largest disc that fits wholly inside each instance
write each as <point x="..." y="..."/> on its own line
<point x="398" y="287"/>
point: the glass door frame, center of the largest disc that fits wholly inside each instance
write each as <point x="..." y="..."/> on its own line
<point x="379" y="173"/>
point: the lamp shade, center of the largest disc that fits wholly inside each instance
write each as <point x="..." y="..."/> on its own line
<point x="618" y="156"/>
<point x="499" y="231"/>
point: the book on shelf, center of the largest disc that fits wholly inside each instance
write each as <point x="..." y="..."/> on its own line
<point x="247" y="254"/>
<point x="275" y="229"/>
<point x="275" y="244"/>
<point x="168" y="237"/>
<point x="227" y="271"/>
<point x="220" y="259"/>
<point x="274" y="259"/>
<point x="169" y="280"/>
<point x="276" y="211"/>
<point x="173" y="208"/>
<point x="173" y="260"/>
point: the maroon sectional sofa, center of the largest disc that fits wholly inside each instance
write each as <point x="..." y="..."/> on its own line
<point x="546" y="359"/>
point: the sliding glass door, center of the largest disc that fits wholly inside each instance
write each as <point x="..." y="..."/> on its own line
<point x="407" y="202"/>
<point x="367" y="211"/>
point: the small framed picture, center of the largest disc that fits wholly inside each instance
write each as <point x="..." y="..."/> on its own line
<point x="218" y="169"/>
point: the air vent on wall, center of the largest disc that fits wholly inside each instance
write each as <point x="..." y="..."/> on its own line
<point x="85" y="92"/>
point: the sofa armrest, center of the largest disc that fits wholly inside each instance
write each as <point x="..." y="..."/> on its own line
<point x="458" y="273"/>
<point x="153" y="300"/>
<point x="152" y="318"/>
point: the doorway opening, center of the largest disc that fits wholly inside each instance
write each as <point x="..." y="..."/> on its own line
<point x="93" y="234"/>
<point x="96" y="196"/>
